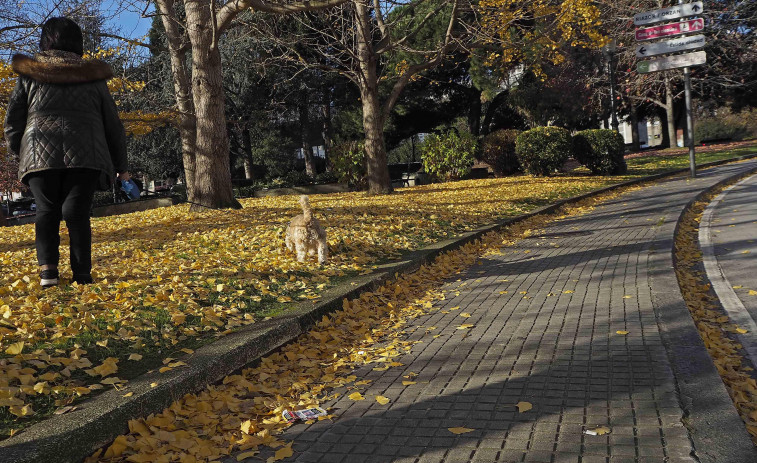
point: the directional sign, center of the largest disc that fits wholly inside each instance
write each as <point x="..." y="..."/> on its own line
<point x="672" y="62"/>
<point x="668" y="14"/>
<point x="691" y="42"/>
<point x="669" y="30"/>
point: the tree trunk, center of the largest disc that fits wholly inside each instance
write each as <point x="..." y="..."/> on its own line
<point x="474" y="112"/>
<point x="377" y="169"/>
<point x="671" y="125"/>
<point x="212" y="176"/>
<point x="491" y="110"/>
<point x="183" y="93"/>
<point x="635" y="145"/>
<point x="326" y="127"/>
<point x="307" y="152"/>
<point x="663" y="128"/>
<point x="249" y="170"/>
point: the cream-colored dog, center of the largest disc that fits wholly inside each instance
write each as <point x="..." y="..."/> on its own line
<point x="306" y="236"/>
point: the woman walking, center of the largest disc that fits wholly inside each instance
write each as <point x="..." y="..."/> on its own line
<point x="63" y="125"/>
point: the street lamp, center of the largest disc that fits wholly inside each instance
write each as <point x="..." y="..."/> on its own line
<point x="609" y="50"/>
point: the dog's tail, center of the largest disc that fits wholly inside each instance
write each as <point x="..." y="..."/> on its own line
<point x="307" y="212"/>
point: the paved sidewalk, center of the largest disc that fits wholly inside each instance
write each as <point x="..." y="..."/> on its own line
<point x="728" y="236"/>
<point x="546" y="316"/>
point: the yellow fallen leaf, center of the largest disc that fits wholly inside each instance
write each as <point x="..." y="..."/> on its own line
<point x="408" y="383"/>
<point x="128" y="394"/>
<point x="382" y="400"/>
<point x="455" y="308"/>
<point x="598" y="431"/>
<point x="524" y="406"/>
<point x="752" y="292"/>
<point x="622" y="332"/>
<point x="165" y="369"/>
<point x="741" y="331"/>
<point x="245" y="426"/>
<point x="356" y="396"/>
<point x="503" y="292"/>
<point x="15" y="348"/>
<point x="465" y="315"/>
<point x="627" y="297"/>
<point x="465" y="326"/>
<point x="153" y="384"/>
<point x="245" y="455"/>
<point x="568" y="291"/>
<point x="187" y="351"/>
<point x="135" y="357"/>
<point x="460" y="430"/>
<point x="737" y="287"/>
<point x="283" y="452"/>
<point x="362" y="382"/>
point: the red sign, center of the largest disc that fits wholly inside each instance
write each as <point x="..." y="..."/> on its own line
<point x="667" y="30"/>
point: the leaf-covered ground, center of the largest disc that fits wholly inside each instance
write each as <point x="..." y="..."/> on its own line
<point x="715" y="327"/>
<point x="168" y="280"/>
<point x="242" y="415"/>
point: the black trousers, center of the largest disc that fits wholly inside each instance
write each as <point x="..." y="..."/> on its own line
<point x="64" y="194"/>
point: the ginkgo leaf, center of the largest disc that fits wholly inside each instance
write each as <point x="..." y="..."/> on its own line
<point x="153" y="384"/>
<point x="622" y="332"/>
<point x="283" y="452"/>
<point x="741" y="331"/>
<point x="15" y="348"/>
<point x="382" y="400"/>
<point x="245" y="455"/>
<point x="128" y="394"/>
<point x="524" y="406"/>
<point x="568" y="291"/>
<point x="598" y="431"/>
<point x="627" y="297"/>
<point x="408" y="383"/>
<point x="356" y="396"/>
<point x="737" y="287"/>
<point x="135" y="357"/>
<point x="465" y="315"/>
<point x="460" y="430"/>
<point x="752" y="292"/>
<point x="465" y="326"/>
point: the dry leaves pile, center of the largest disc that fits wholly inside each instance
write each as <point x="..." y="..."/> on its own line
<point x="244" y="412"/>
<point x="713" y="325"/>
<point x="167" y="275"/>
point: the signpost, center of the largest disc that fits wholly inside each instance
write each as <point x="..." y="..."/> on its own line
<point x="671" y="46"/>
<point x="672" y="62"/>
<point x="668" y="14"/>
<point x="685" y="61"/>
<point x="670" y="30"/>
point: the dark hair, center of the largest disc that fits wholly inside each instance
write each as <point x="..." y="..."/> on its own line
<point x="61" y="34"/>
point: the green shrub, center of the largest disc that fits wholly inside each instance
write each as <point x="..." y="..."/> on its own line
<point x="448" y="156"/>
<point x="498" y="151"/>
<point x="543" y="150"/>
<point x="601" y="151"/>
<point x="348" y="163"/>
<point x="714" y="128"/>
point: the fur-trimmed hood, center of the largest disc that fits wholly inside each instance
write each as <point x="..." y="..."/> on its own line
<point x="61" y="67"/>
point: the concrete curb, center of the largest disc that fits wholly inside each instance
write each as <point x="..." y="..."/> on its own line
<point x="96" y="422"/>
<point x="728" y="298"/>
<point x="716" y="430"/>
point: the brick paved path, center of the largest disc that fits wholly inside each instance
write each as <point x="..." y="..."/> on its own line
<point x="556" y="347"/>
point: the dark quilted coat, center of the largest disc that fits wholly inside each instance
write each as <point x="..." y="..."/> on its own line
<point x="61" y="115"/>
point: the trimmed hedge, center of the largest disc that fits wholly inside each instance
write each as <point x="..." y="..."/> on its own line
<point x="499" y="151"/>
<point x="543" y="150"/>
<point x="448" y="156"/>
<point x="601" y="151"/>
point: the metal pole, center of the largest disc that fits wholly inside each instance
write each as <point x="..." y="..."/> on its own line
<point x="612" y="95"/>
<point x="689" y="121"/>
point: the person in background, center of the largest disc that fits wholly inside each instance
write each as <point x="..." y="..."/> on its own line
<point x="63" y="125"/>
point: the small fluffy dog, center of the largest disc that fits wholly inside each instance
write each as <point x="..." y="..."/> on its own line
<point x="306" y="236"/>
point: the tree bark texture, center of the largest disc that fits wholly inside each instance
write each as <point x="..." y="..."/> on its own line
<point x="249" y="170"/>
<point x="326" y="126"/>
<point x="307" y="151"/>
<point x="377" y="169"/>
<point x="183" y="92"/>
<point x="669" y="112"/>
<point x="635" y="145"/>
<point x="212" y="176"/>
<point x="474" y="112"/>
